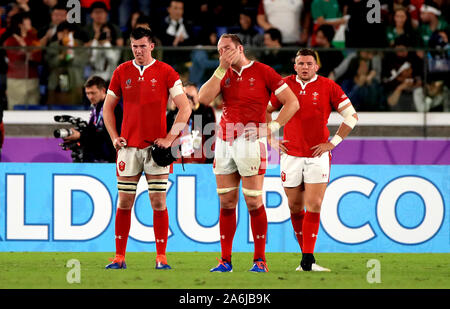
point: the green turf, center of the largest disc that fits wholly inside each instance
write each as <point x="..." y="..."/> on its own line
<point x="191" y="271"/>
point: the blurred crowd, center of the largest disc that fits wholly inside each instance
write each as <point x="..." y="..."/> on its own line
<point x="403" y="79"/>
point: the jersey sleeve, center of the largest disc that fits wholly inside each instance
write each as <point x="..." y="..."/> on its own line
<point x="274" y="81"/>
<point x="261" y="8"/>
<point x="114" y="88"/>
<point x="338" y="97"/>
<point x="174" y="84"/>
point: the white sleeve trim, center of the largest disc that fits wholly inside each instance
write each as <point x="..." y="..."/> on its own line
<point x="343" y="103"/>
<point x="281" y="88"/>
<point x="110" y="92"/>
<point x="176" y="89"/>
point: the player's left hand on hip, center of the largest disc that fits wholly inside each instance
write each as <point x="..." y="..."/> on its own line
<point x="321" y="148"/>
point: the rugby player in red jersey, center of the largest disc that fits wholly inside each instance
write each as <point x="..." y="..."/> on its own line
<point x="144" y="84"/>
<point x="306" y="152"/>
<point x="241" y="143"/>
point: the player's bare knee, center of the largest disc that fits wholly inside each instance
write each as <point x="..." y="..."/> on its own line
<point x="296" y="207"/>
<point x="157" y="202"/>
<point x="314" y="205"/>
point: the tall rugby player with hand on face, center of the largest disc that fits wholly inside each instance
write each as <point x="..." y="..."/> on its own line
<point x="144" y="84"/>
<point x="241" y="143"/>
<point x="306" y="152"/>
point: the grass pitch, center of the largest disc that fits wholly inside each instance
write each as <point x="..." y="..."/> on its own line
<point x="48" y="270"/>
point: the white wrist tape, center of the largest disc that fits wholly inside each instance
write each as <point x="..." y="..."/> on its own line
<point x="347" y="113"/>
<point x="274" y="126"/>
<point x="336" y="140"/>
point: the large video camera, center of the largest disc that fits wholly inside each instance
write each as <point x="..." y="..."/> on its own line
<point x="75" y="146"/>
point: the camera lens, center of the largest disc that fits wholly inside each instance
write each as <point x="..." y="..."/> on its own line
<point x="62" y="133"/>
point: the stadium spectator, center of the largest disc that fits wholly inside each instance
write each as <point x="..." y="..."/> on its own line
<point x="326" y="12"/>
<point x="274" y="56"/>
<point x="394" y="60"/>
<point x="306" y="158"/>
<point x="399" y="88"/>
<point x="389" y="8"/>
<point x="48" y="32"/>
<point x="402" y="26"/>
<point x="203" y="61"/>
<point x="198" y="136"/>
<point x="361" y="82"/>
<point x="144" y="99"/>
<point x="99" y="14"/>
<point x="439" y="59"/>
<point x="103" y="62"/>
<point x="174" y="29"/>
<point x="66" y="66"/>
<point x="434" y="97"/>
<point x="291" y="17"/>
<point x="248" y="32"/>
<point x="430" y="16"/>
<point x="241" y="154"/>
<point x="329" y="59"/>
<point x="94" y="139"/>
<point x="86" y="9"/>
<point x="127" y="7"/>
<point x="22" y="77"/>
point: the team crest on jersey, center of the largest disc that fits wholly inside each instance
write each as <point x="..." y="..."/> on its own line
<point x="283" y="176"/>
<point x="252" y="81"/>
<point x="315" y="96"/>
<point x="128" y="83"/>
<point x="121" y="166"/>
<point x="153" y="81"/>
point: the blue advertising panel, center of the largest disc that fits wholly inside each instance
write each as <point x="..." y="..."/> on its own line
<point x="367" y="208"/>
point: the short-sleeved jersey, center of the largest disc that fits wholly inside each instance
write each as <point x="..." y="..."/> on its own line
<point x="245" y="96"/>
<point x="144" y="90"/>
<point x="308" y="127"/>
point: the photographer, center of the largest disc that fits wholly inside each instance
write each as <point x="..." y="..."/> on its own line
<point x="94" y="138"/>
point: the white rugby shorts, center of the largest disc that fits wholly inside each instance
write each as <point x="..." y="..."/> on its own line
<point x="132" y="161"/>
<point x="247" y="157"/>
<point x="296" y="170"/>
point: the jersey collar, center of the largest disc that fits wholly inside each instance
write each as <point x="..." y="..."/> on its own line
<point x="142" y="68"/>
<point x="298" y="80"/>
<point x="243" y="68"/>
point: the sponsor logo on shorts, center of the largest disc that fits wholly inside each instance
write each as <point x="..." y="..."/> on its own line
<point x="121" y="166"/>
<point x="283" y="176"/>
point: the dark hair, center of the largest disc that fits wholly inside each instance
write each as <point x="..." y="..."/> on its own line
<point x="98" y="5"/>
<point x="139" y="33"/>
<point x="59" y="6"/>
<point x="275" y="34"/>
<point x="328" y="31"/>
<point x="143" y="19"/>
<point x="65" y="25"/>
<point x="190" y="84"/>
<point x="307" y="52"/>
<point x="95" y="81"/>
<point x="234" y="37"/>
<point x="16" y="20"/>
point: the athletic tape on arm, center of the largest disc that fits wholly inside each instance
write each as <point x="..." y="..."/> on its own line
<point x="347" y="113"/>
<point x="176" y="89"/>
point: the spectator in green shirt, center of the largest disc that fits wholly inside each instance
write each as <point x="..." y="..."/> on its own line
<point x="402" y="25"/>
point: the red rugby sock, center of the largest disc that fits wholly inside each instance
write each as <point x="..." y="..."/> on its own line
<point x="122" y="229"/>
<point x="310" y="229"/>
<point x="297" y="224"/>
<point x="161" y="230"/>
<point x="258" y="222"/>
<point x="227" y="226"/>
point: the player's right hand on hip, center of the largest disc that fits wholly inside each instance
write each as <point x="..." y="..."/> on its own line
<point x="119" y="142"/>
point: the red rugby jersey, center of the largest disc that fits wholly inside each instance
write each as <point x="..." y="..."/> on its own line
<point x="308" y="127"/>
<point x="144" y="91"/>
<point x="245" y="96"/>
